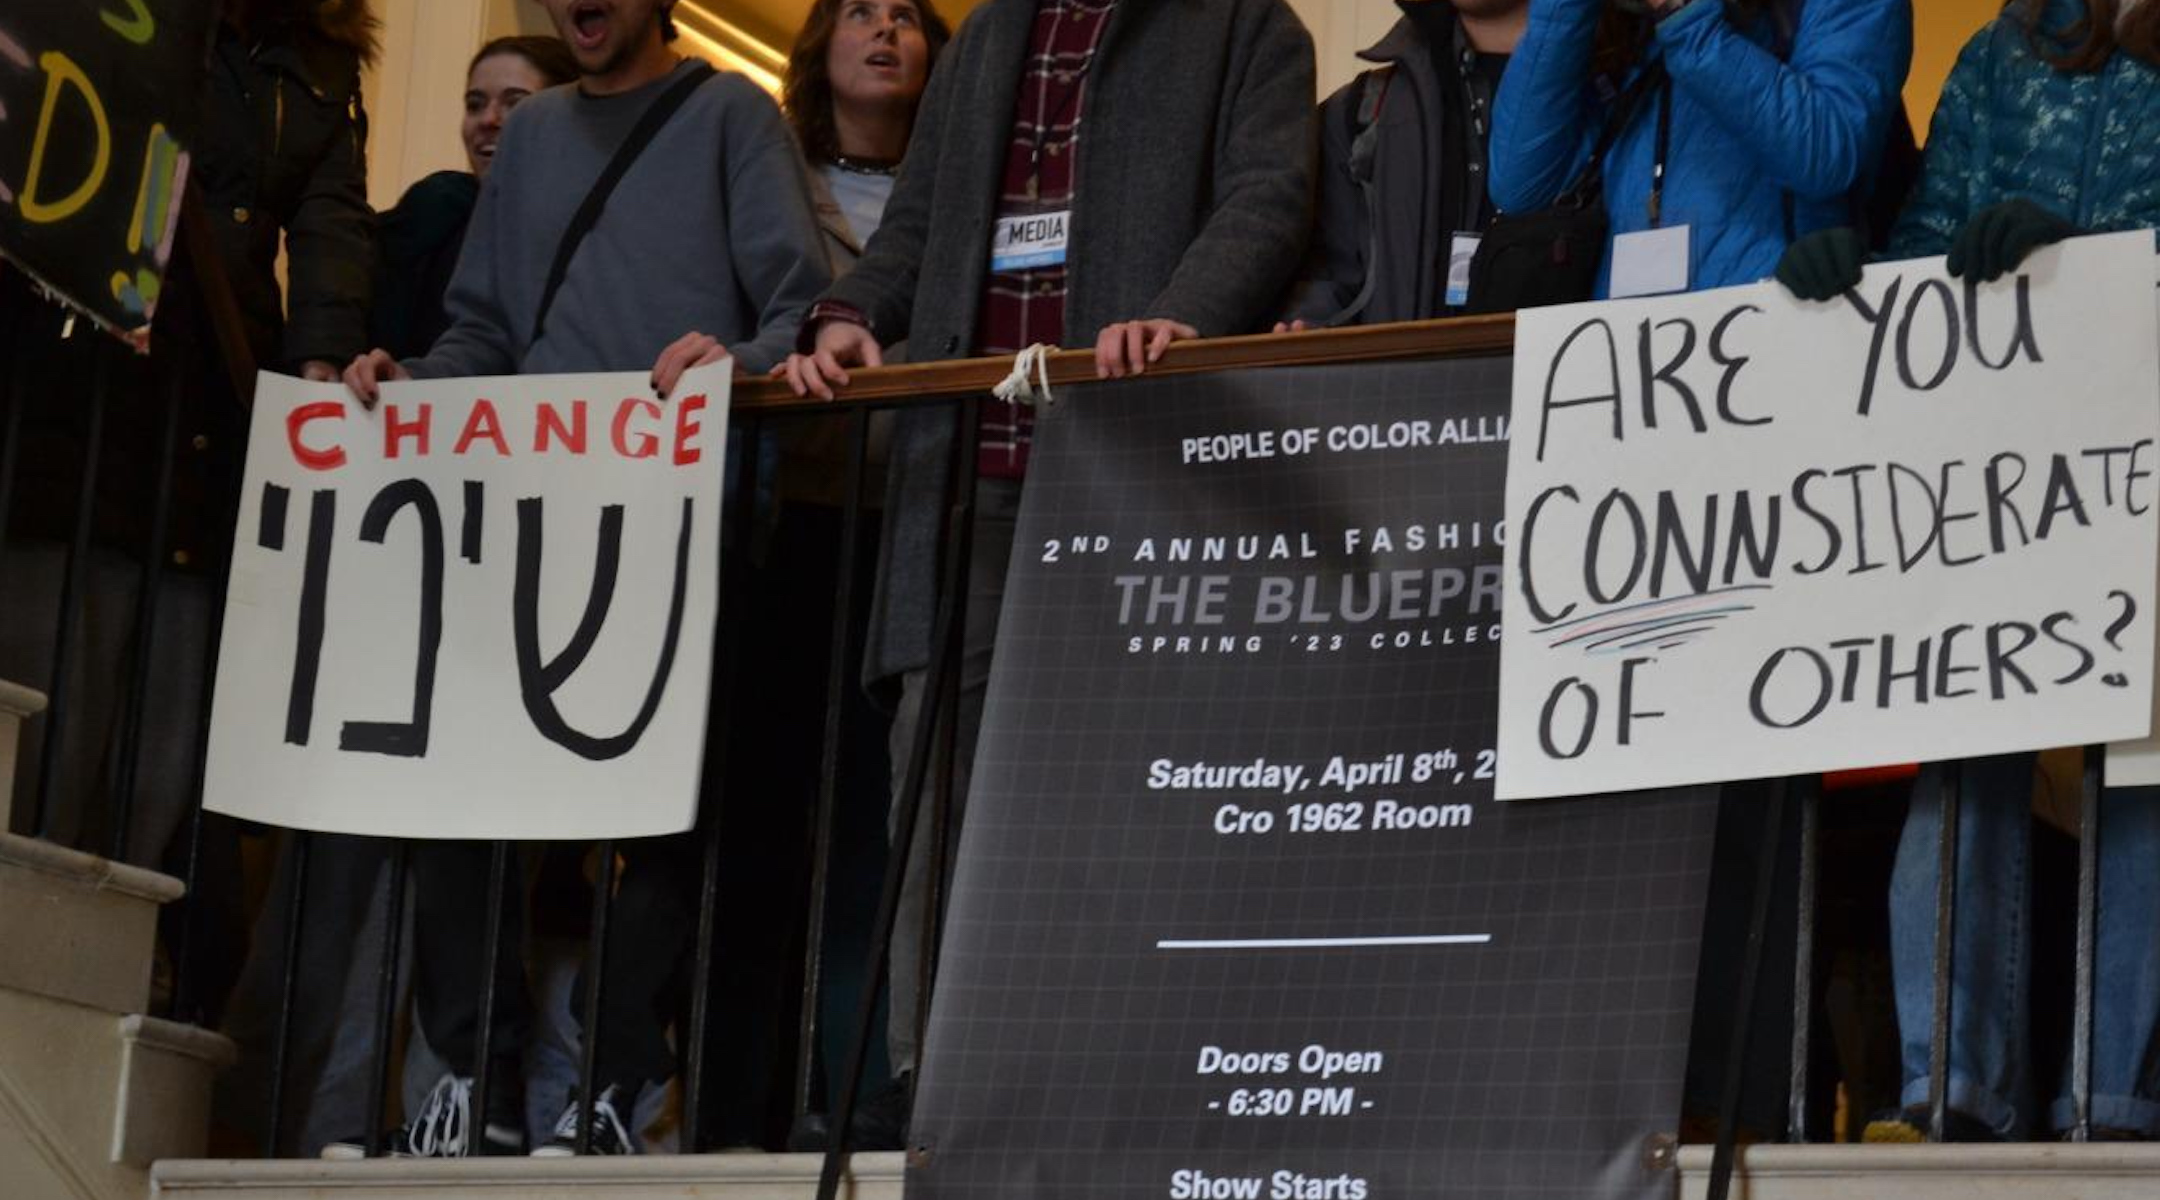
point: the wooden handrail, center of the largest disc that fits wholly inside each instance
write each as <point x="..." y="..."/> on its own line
<point x="1450" y="338"/>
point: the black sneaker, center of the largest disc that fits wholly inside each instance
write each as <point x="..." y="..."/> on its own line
<point x="609" y="1135"/>
<point x="441" y="1129"/>
<point x="881" y="1119"/>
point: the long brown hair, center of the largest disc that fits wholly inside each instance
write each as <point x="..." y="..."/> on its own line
<point x="349" y="23"/>
<point x="806" y="88"/>
<point x="2087" y="43"/>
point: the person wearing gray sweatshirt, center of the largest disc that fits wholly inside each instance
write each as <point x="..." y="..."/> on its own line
<point x="709" y="230"/>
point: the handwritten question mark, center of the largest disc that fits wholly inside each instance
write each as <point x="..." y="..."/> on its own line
<point x="2129" y="611"/>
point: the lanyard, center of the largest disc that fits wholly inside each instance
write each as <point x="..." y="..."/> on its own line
<point x="1664" y="151"/>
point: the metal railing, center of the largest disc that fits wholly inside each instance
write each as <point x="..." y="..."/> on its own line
<point x="120" y="384"/>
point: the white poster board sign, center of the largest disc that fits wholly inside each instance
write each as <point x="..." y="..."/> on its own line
<point x="2136" y="763"/>
<point x="484" y="609"/>
<point x="1753" y="537"/>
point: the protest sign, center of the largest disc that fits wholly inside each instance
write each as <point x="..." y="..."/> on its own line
<point x="2136" y="763"/>
<point x="1235" y="913"/>
<point x="483" y="610"/>
<point x="1749" y="536"/>
<point x="97" y="107"/>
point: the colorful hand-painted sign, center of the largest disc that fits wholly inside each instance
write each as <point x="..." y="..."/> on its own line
<point x="97" y="104"/>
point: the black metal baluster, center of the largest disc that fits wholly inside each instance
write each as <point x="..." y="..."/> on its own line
<point x="734" y="574"/>
<point x="186" y="1005"/>
<point x="183" y="1005"/>
<point x="58" y="694"/>
<point x="13" y="364"/>
<point x="595" y="974"/>
<point x="1953" y="778"/>
<point x="2088" y="915"/>
<point x="941" y="825"/>
<point x="1766" y="861"/>
<point x="150" y="588"/>
<point x="386" y="996"/>
<point x="491" y="951"/>
<point x="281" y="1047"/>
<point x="1803" y="1000"/>
<point x="945" y="643"/>
<point x="837" y="684"/>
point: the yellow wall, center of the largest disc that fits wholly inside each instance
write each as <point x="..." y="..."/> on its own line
<point x="1940" y="30"/>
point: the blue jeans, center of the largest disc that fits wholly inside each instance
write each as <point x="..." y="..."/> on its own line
<point x="1990" y="1040"/>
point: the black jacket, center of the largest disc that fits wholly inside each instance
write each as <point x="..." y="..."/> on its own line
<point x="1417" y="180"/>
<point x="284" y="150"/>
<point x="280" y="149"/>
<point x="418" y="244"/>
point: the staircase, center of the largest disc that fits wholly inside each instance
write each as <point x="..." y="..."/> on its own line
<point x="672" y="1177"/>
<point x="2038" y="1171"/>
<point x="91" y="1090"/>
<point x="98" y="1102"/>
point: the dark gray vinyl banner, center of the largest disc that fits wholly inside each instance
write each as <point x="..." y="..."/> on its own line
<point x="1236" y="914"/>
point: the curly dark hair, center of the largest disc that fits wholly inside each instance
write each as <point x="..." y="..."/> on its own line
<point x="806" y="87"/>
<point x="546" y="55"/>
<point x="2087" y="44"/>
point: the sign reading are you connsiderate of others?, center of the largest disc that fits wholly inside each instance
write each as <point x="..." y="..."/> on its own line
<point x="484" y="609"/>
<point x="1752" y="537"/>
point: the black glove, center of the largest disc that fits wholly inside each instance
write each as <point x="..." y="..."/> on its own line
<point x="1999" y="237"/>
<point x="1823" y="264"/>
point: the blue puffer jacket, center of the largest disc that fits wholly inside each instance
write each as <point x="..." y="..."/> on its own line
<point x="1747" y="129"/>
<point x="2085" y="146"/>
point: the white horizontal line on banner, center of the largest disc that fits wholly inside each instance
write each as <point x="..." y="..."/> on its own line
<point x="1441" y="939"/>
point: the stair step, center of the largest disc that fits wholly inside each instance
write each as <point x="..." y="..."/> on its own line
<point x="675" y="1177"/>
<point x="161" y="1062"/>
<point x="17" y="704"/>
<point x="89" y="1099"/>
<point x="2041" y="1171"/>
<point x="2030" y="1171"/>
<point x="78" y="927"/>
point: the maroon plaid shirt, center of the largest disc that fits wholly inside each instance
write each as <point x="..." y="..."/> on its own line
<point x="1020" y="308"/>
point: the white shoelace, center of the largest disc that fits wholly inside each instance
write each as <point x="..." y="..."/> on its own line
<point x="603" y="1109"/>
<point x="443" y="1127"/>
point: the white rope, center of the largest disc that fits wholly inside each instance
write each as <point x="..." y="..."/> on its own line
<point x="1017" y="388"/>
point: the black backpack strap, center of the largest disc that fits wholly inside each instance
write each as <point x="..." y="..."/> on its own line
<point x="1365" y="123"/>
<point x="1590" y="184"/>
<point x="588" y="214"/>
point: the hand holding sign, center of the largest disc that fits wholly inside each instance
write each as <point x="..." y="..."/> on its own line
<point x="1750" y="537"/>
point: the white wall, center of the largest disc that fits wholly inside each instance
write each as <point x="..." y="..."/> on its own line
<point x="416" y="93"/>
<point x="1340" y="29"/>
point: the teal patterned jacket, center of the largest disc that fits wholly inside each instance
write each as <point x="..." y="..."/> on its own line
<point x="2085" y="146"/>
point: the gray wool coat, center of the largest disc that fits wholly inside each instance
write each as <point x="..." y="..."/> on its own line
<point x="1193" y="195"/>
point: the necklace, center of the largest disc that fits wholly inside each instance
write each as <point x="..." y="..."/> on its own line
<point x="866" y="166"/>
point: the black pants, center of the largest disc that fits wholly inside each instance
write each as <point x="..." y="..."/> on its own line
<point x="450" y="901"/>
<point x="651" y="925"/>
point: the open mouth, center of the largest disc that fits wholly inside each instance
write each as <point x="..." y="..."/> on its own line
<point x="485" y="150"/>
<point x="588" y="25"/>
<point x="883" y="60"/>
